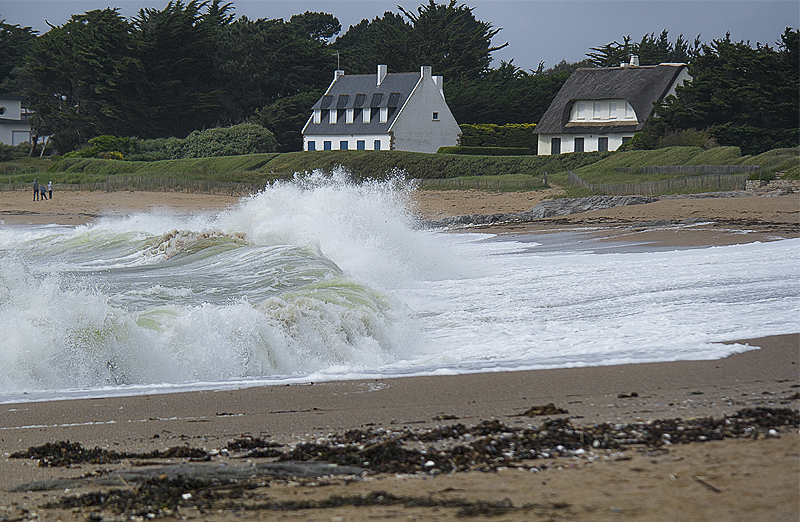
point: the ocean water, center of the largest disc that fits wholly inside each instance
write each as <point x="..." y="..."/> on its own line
<point x="320" y="279"/>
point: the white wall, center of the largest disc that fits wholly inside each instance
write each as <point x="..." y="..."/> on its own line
<point x="589" y="142"/>
<point x="13" y="130"/>
<point x="415" y="129"/>
<point x="351" y="139"/>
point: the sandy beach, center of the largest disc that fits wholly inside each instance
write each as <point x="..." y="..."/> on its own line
<point x="754" y="477"/>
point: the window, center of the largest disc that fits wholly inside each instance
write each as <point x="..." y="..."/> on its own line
<point x="312" y="145"/>
<point x="343" y="145"/>
<point x="361" y="145"/>
<point x="365" y="115"/>
<point x="578" y="144"/>
<point x="348" y="118"/>
<point x="596" y="110"/>
<point x="384" y="114"/>
<point x="555" y="145"/>
<point x="317" y="115"/>
<point x="326" y="145"/>
<point x="626" y="139"/>
<point x="435" y="116"/>
<point x="602" y="144"/>
<point x="629" y="114"/>
<point x="376" y="145"/>
<point x="612" y="110"/>
<point x="2" y="110"/>
<point x="332" y="116"/>
<point x="581" y="111"/>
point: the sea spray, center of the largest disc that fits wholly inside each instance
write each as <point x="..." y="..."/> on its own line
<point x="323" y="278"/>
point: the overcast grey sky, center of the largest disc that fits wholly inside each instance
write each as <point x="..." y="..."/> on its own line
<point x="536" y="30"/>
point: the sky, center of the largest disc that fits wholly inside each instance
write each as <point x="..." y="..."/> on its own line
<point x="536" y="30"/>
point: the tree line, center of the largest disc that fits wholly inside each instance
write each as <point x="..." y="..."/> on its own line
<point x="194" y="65"/>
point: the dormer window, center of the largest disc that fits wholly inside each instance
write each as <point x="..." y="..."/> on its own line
<point x="586" y="111"/>
<point x="317" y="115"/>
<point x="365" y="114"/>
<point x="332" y="116"/>
<point x="348" y="115"/>
<point x="384" y="114"/>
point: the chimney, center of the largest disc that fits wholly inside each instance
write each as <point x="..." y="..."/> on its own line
<point x="425" y="71"/>
<point x="439" y="81"/>
<point x="381" y="73"/>
<point x="634" y="61"/>
<point x="337" y="73"/>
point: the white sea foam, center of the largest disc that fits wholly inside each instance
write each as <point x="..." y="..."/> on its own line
<point x="322" y="279"/>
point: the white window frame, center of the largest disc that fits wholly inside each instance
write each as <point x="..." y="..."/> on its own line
<point x="612" y="110"/>
<point x="348" y="116"/>
<point x="365" y="114"/>
<point x="317" y="115"/>
<point x="384" y="115"/>
<point x="581" y="111"/>
<point x="597" y="110"/>
<point x="332" y="115"/>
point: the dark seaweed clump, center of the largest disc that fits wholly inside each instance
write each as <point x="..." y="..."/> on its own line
<point x="66" y="453"/>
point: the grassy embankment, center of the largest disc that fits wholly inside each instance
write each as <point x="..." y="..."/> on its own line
<point x="437" y="171"/>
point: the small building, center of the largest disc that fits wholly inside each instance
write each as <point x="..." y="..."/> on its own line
<point x="387" y="111"/>
<point x="599" y="109"/>
<point x="14" y="126"/>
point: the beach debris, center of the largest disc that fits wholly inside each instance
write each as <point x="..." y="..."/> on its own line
<point x="158" y="491"/>
<point x="627" y="395"/>
<point x="546" y="409"/>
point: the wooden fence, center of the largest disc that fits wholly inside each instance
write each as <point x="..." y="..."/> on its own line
<point x="693" y="169"/>
<point x="484" y="182"/>
<point x="152" y="184"/>
<point x="707" y="182"/>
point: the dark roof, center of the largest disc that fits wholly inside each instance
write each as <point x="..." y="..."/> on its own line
<point x="639" y="86"/>
<point x="362" y="92"/>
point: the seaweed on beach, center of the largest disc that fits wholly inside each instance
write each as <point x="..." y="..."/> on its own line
<point x="66" y="453"/>
<point x="487" y="446"/>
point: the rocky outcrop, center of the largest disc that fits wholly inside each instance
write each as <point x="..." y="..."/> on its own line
<point x="545" y="209"/>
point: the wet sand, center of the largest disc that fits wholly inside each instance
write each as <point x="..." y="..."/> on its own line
<point x="744" y="479"/>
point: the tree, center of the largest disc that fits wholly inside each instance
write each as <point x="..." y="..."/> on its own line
<point x="651" y="50"/>
<point x="744" y="96"/>
<point x="286" y="118"/>
<point x="262" y="61"/>
<point x="82" y="78"/>
<point x="177" y="49"/>
<point x="315" y="26"/>
<point x="451" y="40"/>
<point x="14" y="44"/>
<point x="506" y="94"/>
<point x="384" y="40"/>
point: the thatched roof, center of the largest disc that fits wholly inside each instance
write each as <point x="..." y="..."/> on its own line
<point x="639" y="86"/>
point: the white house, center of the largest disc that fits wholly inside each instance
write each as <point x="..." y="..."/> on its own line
<point x="14" y="126"/>
<point x="387" y="111"/>
<point x="599" y="109"/>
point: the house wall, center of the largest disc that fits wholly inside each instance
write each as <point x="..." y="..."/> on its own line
<point x="14" y="129"/>
<point x="351" y="139"/>
<point x="590" y="142"/>
<point x="415" y="128"/>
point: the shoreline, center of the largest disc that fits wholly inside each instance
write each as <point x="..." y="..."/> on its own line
<point x="720" y="479"/>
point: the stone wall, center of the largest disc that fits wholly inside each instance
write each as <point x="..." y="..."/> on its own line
<point x="758" y="185"/>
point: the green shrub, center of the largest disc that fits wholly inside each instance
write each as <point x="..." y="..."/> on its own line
<point x="245" y="138"/>
<point x="515" y="135"/>
<point x="485" y="151"/>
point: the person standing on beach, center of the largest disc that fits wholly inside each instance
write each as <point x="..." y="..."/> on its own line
<point x="35" y="189"/>
<point x="42" y="192"/>
<point x="50" y="189"/>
